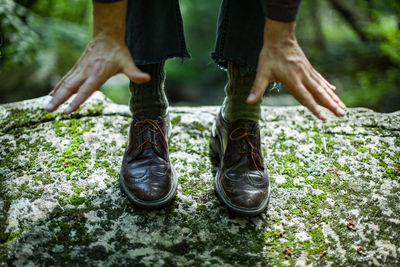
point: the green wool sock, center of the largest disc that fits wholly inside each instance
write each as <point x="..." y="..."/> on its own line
<point x="148" y="100"/>
<point x="237" y="90"/>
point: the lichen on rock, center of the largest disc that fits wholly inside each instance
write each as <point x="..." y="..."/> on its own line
<point x="335" y="189"/>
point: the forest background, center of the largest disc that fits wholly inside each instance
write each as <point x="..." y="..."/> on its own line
<point x="355" y="44"/>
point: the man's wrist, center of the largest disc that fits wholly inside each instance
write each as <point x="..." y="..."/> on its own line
<point x="278" y="31"/>
<point x="109" y="20"/>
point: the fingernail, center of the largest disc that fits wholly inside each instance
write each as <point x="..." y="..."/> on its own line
<point x="251" y="97"/>
<point x="50" y="106"/>
<point x="320" y="116"/>
<point x="340" y="111"/>
<point x="68" y="110"/>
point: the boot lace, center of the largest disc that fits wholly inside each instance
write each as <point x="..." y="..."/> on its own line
<point x="151" y="126"/>
<point x="246" y="136"/>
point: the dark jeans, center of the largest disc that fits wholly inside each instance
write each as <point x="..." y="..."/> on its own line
<point x="155" y="32"/>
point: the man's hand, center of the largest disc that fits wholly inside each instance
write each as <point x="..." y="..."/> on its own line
<point x="281" y="59"/>
<point x="105" y="55"/>
<point x="101" y="60"/>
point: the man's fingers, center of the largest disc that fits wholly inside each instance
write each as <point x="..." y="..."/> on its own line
<point x="65" y="90"/>
<point x="67" y="76"/>
<point x="336" y="99"/>
<point x="257" y="91"/>
<point x="318" y="76"/>
<point x="91" y="85"/>
<point x="328" y="84"/>
<point x="58" y="85"/>
<point x="306" y="99"/>
<point x="328" y="87"/>
<point x="134" y="73"/>
<point x="59" y="97"/>
<point x="319" y="92"/>
<point x="322" y="79"/>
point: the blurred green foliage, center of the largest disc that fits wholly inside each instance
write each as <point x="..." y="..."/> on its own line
<point x="355" y="44"/>
<point x="41" y="40"/>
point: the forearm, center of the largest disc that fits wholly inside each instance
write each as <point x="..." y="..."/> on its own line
<point x="109" y="20"/>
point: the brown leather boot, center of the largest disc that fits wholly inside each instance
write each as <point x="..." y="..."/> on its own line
<point x="241" y="182"/>
<point x="147" y="176"/>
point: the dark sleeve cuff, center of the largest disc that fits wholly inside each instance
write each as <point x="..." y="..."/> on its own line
<point x="281" y="10"/>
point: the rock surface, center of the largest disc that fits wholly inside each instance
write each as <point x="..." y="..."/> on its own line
<point x="335" y="191"/>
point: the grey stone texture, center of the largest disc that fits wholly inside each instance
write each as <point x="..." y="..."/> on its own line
<point x="335" y="191"/>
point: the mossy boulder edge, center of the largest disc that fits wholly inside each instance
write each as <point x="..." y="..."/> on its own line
<point x="335" y="191"/>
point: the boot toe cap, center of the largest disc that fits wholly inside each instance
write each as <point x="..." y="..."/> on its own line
<point x="248" y="199"/>
<point x="150" y="186"/>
